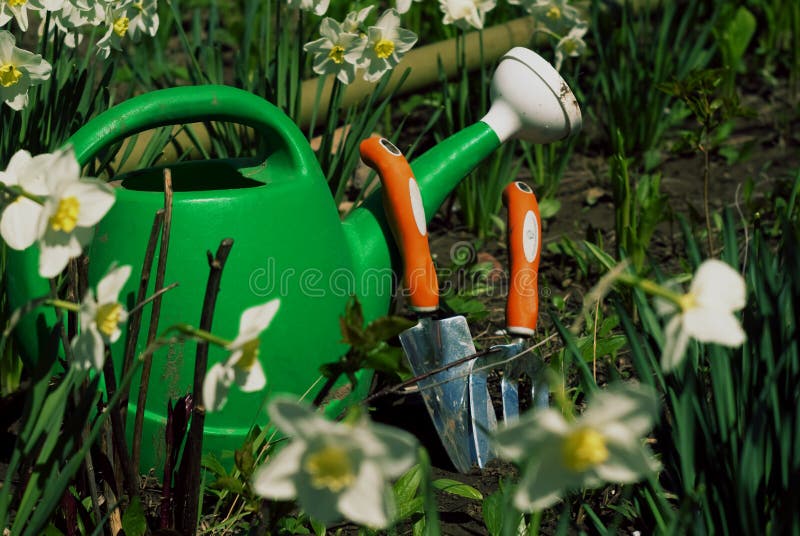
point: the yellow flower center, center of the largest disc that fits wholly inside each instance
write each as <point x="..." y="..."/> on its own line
<point x="9" y="75"/>
<point x="584" y="448"/>
<point x="250" y="351"/>
<point x="554" y="13"/>
<point x="337" y="54"/>
<point x="108" y="317"/>
<point x="121" y="26"/>
<point x="570" y="46"/>
<point x="139" y="5"/>
<point x="17" y="3"/>
<point x="384" y="48"/>
<point x="330" y="468"/>
<point x="66" y="216"/>
<point x="687" y="301"/>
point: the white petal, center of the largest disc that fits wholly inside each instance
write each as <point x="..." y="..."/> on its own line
<point x="18" y="223"/>
<point x="251" y="380"/>
<point x="399" y="449"/>
<point x="61" y="169"/>
<point x="276" y="478"/>
<point x="543" y="479"/>
<point x="17" y="164"/>
<point x="109" y="287"/>
<point x="366" y="501"/>
<point x="633" y="405"/>
<point x="297" y="419"/>
<point x="215" y="387"/>
<point x="710" y="325"/>
<point x="627" y="462"/>
<point x="95" y="197"/>
<point x="88" y="349"/>
<point x="675" y="342"/>
<point x="718" y="285"/>
<point x="255" y="320"/>
<point x="56" y="249"/>
<point x="534" y="428"/>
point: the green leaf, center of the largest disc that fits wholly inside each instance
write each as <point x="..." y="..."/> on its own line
<point x="605" y="259"/>
<point x="737" y="36"/>
<point x="454" y="487"/>
<point x="493" y="513"/>
<point x="229" y="483"/>
<point x="605" y="346"/>
<point x="407" y="485"/>
<point x="210" y="462"/>
<point x="386" y="327"/>
<point x="385" y="358"/>
<point x="245" y="461"/>
<point x="470" y="307"/>
<point x="134" y="522"/>
<point x="549" y="207"/>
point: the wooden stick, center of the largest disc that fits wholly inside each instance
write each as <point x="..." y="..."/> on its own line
<point x="194" y="443"/>
<point x="154" y="317"/>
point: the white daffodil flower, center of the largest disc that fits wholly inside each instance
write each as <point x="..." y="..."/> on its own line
<point x="18" y="9"/>
<point x="706" y="312"/>
<point x="318" y="7"/>
<point x="571" y="45"/>
<point x="19" y="70"/>
<point x="243" y="366"/>
<point x="466" y="13"/>
<point x="100" y="318"/>
<point x="74" y="205"/>
<point x="353" y="21"/>
<point x="333" y="469"/>
<point x="386" y="43"/>
<point x="129" y="19"/>
<point x="558" y="16"/>
<point x="602" y="445"/>
<point x="336" y="52"/>
<point x="18" y="223"/>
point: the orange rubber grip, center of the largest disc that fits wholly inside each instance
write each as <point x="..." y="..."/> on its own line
<point x="402" y="202"/>
<point x="524" y="250"/>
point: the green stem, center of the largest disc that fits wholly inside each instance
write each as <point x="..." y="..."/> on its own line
<point x="18" y="191"/>
<point x="197" y="333"/>
<point x="651" y="288"/>
<point x="64" y="304"/>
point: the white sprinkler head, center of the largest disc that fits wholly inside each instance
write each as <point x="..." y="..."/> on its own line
<point x="530" y="100"/>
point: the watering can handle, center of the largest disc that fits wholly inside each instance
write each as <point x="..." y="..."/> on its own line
<point x="197" y="103"/>
<point x="406" y="215"/>
<point x="524" y="249"/>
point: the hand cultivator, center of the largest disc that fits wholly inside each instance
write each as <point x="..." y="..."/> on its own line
<point x="289" y="240"/>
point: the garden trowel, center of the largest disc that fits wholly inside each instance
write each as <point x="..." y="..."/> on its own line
<point x="433" y="342"/>
<point x="522" y="312"/>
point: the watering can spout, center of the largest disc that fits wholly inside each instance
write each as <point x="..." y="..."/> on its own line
<point x="530" y="101"/>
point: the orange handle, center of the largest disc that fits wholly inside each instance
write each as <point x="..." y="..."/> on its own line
<point x="402" y="202"/>
<point x="525" y="248"/>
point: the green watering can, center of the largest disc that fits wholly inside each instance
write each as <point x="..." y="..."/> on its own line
<point x="289" y="241"/>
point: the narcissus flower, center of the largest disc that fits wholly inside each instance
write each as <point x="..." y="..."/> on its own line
<point x="386" y="44"/>
<point x="19" y="70"/>
<point x="605" y="444"/>
<point x="243" y="366"/>
<point x="18" y="9"/>
<point x="466" y="13"/>
<point x="571" y="45"/>
<point x="336" y="52"/>
<point x="706" y="312"/>
<point x="73" y="206"/>
<point x="100" y="318"/>
<point x="335" y="470"/>
<point x="318" y="7"/>
<point x="558" y="16"/>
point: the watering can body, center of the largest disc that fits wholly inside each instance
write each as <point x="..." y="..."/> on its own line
<point x="289" y="241"/>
